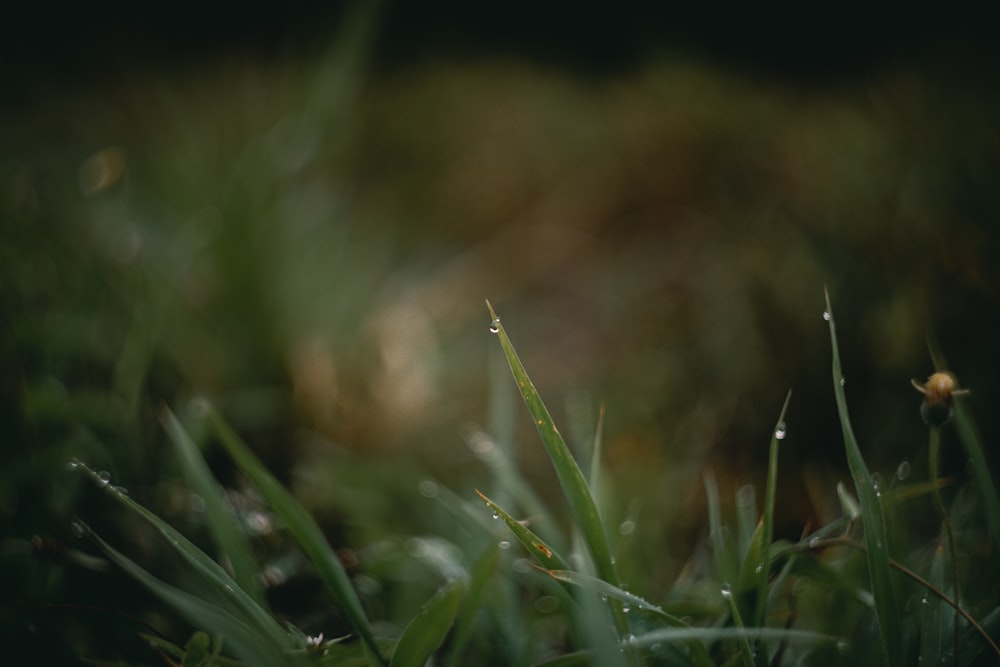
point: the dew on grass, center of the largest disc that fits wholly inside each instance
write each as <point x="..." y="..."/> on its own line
<point x="428" y="488"/>
<point x="826" y="315"/>
<point x="77" y="529"/>
<point x="73" y="463"/>
<point x="103" y="477"/>
<point x="504" y="544"/>
<point x="813" y="542"/>
<point x="627" y="527"/>
<point x="727" y="591"/>
<point x="780" y="431"/>
<point x="903" y="471"/>
<point x="843" y="381"/>
<point x="496" y="515"/>
<point x="495" y="326"/>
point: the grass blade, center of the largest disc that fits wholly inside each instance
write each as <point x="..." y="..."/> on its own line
<point x="537" y="547"/>
<point x="243" y="640"/>
<point x="428" y="629"/>
<point x="581" y="503"/>
<point x="723" y="547"/>
<point x="302" y="526"/>
<point x="886" y="611"/>
<point x="968" y="434"/>
<point x="215" y="583"/>
<point x="229" y="539"/>
<point x="479" y="580"/>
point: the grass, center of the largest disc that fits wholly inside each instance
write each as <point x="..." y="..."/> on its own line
<point x="842" y="594"/>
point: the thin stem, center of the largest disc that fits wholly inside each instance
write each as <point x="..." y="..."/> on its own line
<point x="845" y="541"/>
<point x="935" y="455"/>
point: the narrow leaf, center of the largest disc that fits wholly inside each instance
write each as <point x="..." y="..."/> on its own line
<point x="303" y="527"/>
<point x="886" y="611"/>
<point x="427" y="631"/>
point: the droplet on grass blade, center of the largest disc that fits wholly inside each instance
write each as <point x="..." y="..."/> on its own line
<point x="780" y="431"/>
<point x="727" y="591"/>
<point x="903" y="471"/>
<point x="104" y="477"/>
<point x="495" y="325"/>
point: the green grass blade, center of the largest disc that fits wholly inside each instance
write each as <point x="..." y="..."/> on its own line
<point x="886" y="609"/>
<point x="479" y="579"/>
<point x="756" y="568"/>
<point x="229" y="539"/>
<point x="745" y="650"/>
<point x="304" y="529"/>
<point x="242" y="639"/>
<point x="535" y="545"/>
<point x="427" y="631"/>
<point x="581" y="503"/>
<point x="723" y="546"/>
<point x="215" y="583"/>
<point x="968" y="434"/>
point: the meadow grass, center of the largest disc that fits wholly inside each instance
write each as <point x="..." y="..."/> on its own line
<point x="855" y="591"/>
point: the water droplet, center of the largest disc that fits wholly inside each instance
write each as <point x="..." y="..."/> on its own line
<point x="428" y="488"/>
<point x="495" y="326"/>
<point x="626" y="608"/>
<point x="627" y="527"/>
<point x="78" y="529"/>
<point x="826" y="315"/>
<point x="73" y="464"/>
<point x="813" y="542"/>
<point x="780" y="431"/>
<point x="120" y="490"/>
<point x="727" y="591"/>
<point x="496" y="515"/>
<point x="843" y="381"/>
<point x="903" y="471"/>
<point x="504" y="544"/>
<point x="103" y="477"/>
<point x="759" y="568"/>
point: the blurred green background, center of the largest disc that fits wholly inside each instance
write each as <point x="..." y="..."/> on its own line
<point x="299" y="215"/>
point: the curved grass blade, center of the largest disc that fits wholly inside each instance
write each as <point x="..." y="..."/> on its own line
<point x="229" y="539"/>
<point x="581" y="503"/>
<point x="216" y="584"/>
<point x="886" y="611"/>
<point x="244" y="641"/>
<point x="302" y="526"/>
<point x="537" y="547"/>
<point x="427" y="631"/>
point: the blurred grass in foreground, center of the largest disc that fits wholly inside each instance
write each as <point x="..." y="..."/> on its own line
<point x="307" y="243"/>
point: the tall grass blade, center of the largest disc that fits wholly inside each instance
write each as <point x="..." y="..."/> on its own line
<point x="302" y="526"/>
<point x="886" y="609"/>
<point x="243" y="640"/>
<point x="229" y="539"/>
<point x="723" y="546"/>
<point x="581" y="503"/>
<point x="968" y="434"/>
<point x="215" y="584"/>
<point x="428" y="629"/>
<point x="479" y="579"/>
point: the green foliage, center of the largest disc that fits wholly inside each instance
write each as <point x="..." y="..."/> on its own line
<point x="760" y="600"/>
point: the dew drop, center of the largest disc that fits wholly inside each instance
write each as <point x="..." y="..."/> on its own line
<point x="73" y="464"/>
<point x="77" y="529"/>
<point x="626" y="608"/>
<point x="759" y="568"/>
<point x="826" y="315"/>
<point x="496" y="515"/>
<point x="923" y="600"/>
<point x="627" y="527"/>
<point x="504" y="544"/>
<point x="843" y="381"/>
<point x="813" y="542"/>
<point x="727" y="591"/>
<point x="495" y="326"/>
<point x="780" y="431"/>
<point x="428" y="488"/>
<point x="103" y="477"/>
<point x="903" y="471"/>
<point x="120" y="490"/>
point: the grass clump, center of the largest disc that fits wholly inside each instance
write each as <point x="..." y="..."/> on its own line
<point x="857" y="590"/>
